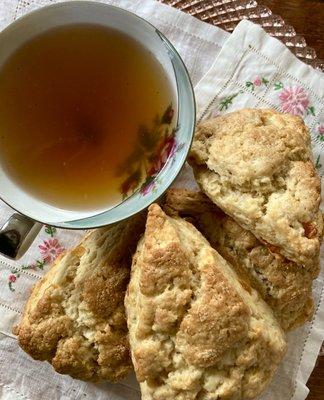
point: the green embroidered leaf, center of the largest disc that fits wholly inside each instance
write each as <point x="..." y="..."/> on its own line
<point x="50" y="230"/>
<point x="11" y="287"/>
<point x="249" y="85"/>
<point x="278" y="86"/>
<point x="310" y="110"/>
<point x="40" y="264"/>
<point x="225" y="103"/>
<point x="265" y="81"/>
<point x="318" y="165"/>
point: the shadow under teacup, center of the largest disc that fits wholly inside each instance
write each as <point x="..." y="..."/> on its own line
<point x="146" y="161"/>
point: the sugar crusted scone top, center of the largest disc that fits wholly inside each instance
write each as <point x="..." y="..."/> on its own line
<point x="257" y="166"/>
<point x="285" y="286"/>
<point x="195" y="332"/>
<point x="75" y="316"/>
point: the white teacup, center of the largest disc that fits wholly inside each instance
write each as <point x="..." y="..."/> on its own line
<point x="15" y="233"/>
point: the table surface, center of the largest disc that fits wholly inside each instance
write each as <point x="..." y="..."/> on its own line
<point x="307" y="17"/>
<point x="316" y="381"/>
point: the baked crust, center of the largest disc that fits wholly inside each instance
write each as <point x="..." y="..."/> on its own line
<point x="195" y="332"/>
<point x="75" y="316"/>
<point x="257" y="166"/>
<point x="285" y="286"/>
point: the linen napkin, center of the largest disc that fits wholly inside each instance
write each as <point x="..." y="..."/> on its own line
<point x="252" y="70"/>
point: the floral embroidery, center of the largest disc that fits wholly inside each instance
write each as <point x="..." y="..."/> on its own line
<point x="37" y="264"/>
<point x="50" y="249"/>
<point x="310" y="110"/>
<point x="257" y="82"/>
<point x="295" y="101"/>
<point x="278" y="86"/>
<point x="12" y="279"/>
<point x="225" y="103"/>
<point x="15" y="274"/>
<point x="318" y="165"/>
<point x="212" y="113"/>
<point x="155" y="146"/>
<point x="320" y="131"/>
<point x="50" y="230"/>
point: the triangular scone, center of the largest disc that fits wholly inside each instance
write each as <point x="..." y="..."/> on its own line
<point x="257" y="166"/>
<point x="195" y="331"/>
<point x="75" y="316"/>
<point x="285" y="286"/>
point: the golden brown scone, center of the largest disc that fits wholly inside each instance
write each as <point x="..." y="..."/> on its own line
<point x="285" y="286"/>
<point x="75" y="316"/>
<point x="195" y="332"/>
<point x="257" y="166"/>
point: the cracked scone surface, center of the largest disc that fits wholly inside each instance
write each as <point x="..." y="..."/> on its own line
<point x="257" y="166"/>
<point x="75" y="316"/>
<point x="195" y="332"/>
<point x="285" y="286"/>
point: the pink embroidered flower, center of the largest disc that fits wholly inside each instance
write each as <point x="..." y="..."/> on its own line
<point x="12" y="278"/>
<point x="321" y="130"/>
<point x="50" y="249"/>
<point x="213" y="113"/>
<point x="257" y="81"/>
<point x="294" y="100"/>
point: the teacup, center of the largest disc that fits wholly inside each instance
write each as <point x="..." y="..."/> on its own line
<point x="17" y="234"/>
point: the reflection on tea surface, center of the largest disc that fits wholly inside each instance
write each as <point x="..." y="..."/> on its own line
<point x="83" y="111"/>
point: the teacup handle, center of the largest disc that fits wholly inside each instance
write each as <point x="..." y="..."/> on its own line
<point x="17" y="234"/>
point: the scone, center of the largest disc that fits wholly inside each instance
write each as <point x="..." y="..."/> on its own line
<point x="195" y="331"/>
<point x="285" y="286"/>
<point x="257" y="166"/>
<point x="75" y="316"/>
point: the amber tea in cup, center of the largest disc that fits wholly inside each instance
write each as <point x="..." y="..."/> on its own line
<point x="84" y="112"/>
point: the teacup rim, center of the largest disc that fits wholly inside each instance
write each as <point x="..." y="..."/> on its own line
<point x="70" y="224"/>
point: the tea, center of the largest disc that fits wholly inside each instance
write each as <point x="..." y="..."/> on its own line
<point x="83" y="110"/>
